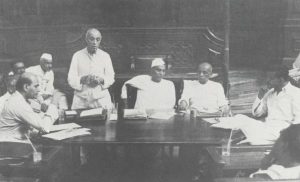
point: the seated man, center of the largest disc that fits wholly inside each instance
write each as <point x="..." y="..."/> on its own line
<point x="45" y="77"/>
<point x="281" y="106"/>
<point x="10" y="83"/>
<point x="203" y="95"/>
<point x="283" y="162"/>
<point x="17" y="117"/>
<point x="17" y="67"/>
<point x="153" y="92"/>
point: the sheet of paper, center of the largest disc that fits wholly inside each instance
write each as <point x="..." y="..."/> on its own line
<point x="113" y="117"/>
<point x="231" y="122"/>
<point x="134" y="114"/>
<point x="70" y="112"/>
<point x="64" y="134"/>
<point x="161" y="115"/>
<point x="91" y="112"/>
<point x="211" y="120"/>
<point x="66" y="126"/>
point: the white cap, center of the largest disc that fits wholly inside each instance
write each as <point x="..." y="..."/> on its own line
<point x="157" y="62"/>
<point x="46" y="56"/>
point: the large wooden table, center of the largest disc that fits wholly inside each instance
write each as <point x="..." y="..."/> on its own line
<point x="178" y="130"/>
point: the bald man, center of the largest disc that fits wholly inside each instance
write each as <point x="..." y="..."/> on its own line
<point x="153" y="92"/>
<point x="18" y="118"/>
<point x="204" y="95"/>
<point x="91" y="74"/>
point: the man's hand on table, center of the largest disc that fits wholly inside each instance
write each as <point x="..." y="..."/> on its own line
<point x="183" y="105"/>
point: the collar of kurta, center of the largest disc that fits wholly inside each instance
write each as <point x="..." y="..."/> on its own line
<point x="87" y="52"/>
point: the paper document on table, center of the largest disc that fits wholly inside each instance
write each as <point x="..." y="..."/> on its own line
<point x="64" y="134"/>
<point x="113" y="117"/>
<point x="162" y="115"/>
<point x="230" y="122"/>
<point x="64" y="127"/>
<point x="71" y="112"/>
<point x="135" y="114"/>
<point x="211" y="120"/>
<point x="91" y="112"/>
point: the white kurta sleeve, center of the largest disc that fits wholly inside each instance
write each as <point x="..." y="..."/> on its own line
<point x="296" y="109"/>
<point x="49" y="86"/>
<point x="259" y="107"/>
<point x="109" y="77"/>
<point x="171" y="95"/>
<point x="136" y="82"/>
<point x="41" y="122"/>
<point x="73" y="77"/>
<point x="221" y="96"/>
<point x="186" y="93"/>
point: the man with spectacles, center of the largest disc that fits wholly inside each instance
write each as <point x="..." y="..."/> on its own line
<point x="204" y="95"/>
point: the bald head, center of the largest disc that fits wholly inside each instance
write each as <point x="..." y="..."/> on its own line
<point x="204" y="72"/>
<point x="28" y="85"/>
<point x="93" y="38"/>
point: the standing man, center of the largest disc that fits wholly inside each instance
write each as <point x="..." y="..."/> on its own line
<point x="91" y="74"/>
<point x="18" y="118"/>
<point x="45" y="76"/>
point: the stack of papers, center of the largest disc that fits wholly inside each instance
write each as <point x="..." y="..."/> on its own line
<point x="91" y="112"/>
<point x="162" y="115"/>
<point x="64" y="134"/>
<point x="67" y="126"/>
<point x="63" y="131"/>
<point x="135" y="114"/>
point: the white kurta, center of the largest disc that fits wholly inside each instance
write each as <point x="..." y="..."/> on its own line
<point x="280" y="172"/>
<point x="208" y="97"/>
<point x="46" y="79"/>
<point x="3" y="99"/>
<point x="282" y="109"/>
<point x="98" y="64"/>
<point x="150" y="94"/>
<point x="18" y="117"/>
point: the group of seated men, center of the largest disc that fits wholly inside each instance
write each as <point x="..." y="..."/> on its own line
<point x="30" y="104"/>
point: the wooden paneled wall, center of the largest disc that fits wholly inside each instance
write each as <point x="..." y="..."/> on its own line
<point x="30" y="27"/>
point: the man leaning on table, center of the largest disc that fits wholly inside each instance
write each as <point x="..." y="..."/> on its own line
<point x="204" y="95"/>
<point x="153" y="92"/>
<point x="91" y="74"/>
<point x="18" y="118"/>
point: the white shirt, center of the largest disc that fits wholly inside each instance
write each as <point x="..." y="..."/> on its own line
<point x="3" y="99"/>
<point x="150" y="94"/>
<point x="18" y="117"/>
<point x="280" y="172"/>
<point x="45" y="79"/>
<point x="282" y="109"/>
<point x="98" y="64"/>
<point x="208" y="97"/>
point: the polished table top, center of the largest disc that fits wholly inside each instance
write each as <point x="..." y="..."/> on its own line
<point x="179" y="129"/>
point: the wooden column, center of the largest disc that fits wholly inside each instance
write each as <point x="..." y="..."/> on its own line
<point x="227" y="36"/>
